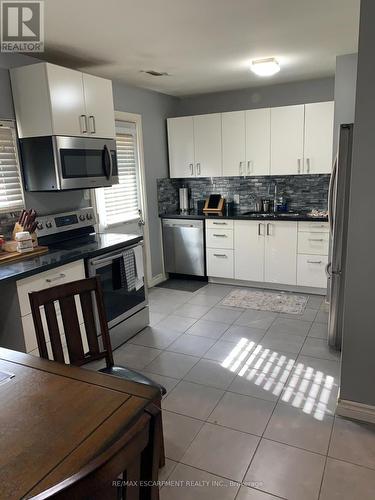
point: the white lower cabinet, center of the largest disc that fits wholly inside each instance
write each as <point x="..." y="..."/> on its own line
<point x="311" y="270"/>
<point x="57" y="276"/>
<point x="280" y="261"/>
<point x="219" y="238"/>
<point x="220" y="263"/>
<point x="280" y="252"/>
<point x="249" y="244"/>
<point x="313" y="243"/>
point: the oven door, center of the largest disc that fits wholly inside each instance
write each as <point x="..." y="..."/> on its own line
<point x="85" y="162"/>
<point x="120" y="302"/>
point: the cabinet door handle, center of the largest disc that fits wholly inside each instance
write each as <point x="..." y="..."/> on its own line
<point x="314" y="261"/>
<point x="249" y="167"/>
<point x="83" y="124"/>
<point x="259" y="233"/>
<point x="220" y="235"/>
<point x="191" y="166"/>
<point x="240" y="168"/>
<point x="198" y="169"/>
<point x="299" y="165"/>
<point x="92" y="123"/>
<point x="308" y="165"/>
<point x="268" y="229"/>
<point x="220" y="223"/>
<point x="57" y="278"/>
<point x="316" y="239"/>
<point x="220" y="255"/>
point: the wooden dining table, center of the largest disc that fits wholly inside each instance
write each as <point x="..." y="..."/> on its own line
<point x="55" y="418"/>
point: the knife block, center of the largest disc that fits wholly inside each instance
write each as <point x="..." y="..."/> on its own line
<point x="18" y="228"/>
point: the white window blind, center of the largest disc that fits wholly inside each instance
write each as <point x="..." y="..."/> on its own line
<point x="119" y="203"/>
<point x="11" y="192"/>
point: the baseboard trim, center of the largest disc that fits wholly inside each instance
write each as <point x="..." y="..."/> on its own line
<point x="155" y="280"/>
<point x="270" y="286"/>
<point x="357" y="411"/>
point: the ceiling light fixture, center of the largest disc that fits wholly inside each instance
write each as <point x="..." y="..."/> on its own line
<point x="265" y="67"/>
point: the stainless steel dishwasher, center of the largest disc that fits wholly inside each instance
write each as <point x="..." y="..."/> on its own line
<point x="183" y="241"/>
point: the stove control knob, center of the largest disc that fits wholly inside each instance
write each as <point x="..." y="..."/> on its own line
<point x="82" y="217"/>
<point x="48" y="224"/>
<point x="40" y="225"/>
<point x="88" y="216"/>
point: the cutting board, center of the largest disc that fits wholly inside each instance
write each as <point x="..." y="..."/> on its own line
<point x="10" y="257"/>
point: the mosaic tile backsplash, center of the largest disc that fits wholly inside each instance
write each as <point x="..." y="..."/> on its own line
<point x="302" y="192"/>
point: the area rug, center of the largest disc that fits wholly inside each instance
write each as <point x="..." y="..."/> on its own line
<point x="266" y="301"/>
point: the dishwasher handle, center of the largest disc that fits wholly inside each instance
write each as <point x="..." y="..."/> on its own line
<point x="175" y="223"/>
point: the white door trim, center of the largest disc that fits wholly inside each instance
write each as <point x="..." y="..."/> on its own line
<point x="137" y="120"/>
<point x="357" y="411"/>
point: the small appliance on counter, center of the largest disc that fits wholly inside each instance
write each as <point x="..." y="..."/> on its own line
<point x="184" y="200"/>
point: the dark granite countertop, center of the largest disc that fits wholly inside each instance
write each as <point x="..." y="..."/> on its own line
<point x="65" y="252"/>
<point x="238" y="215"/>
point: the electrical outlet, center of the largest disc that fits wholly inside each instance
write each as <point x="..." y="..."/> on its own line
<point x="236" y="199"/>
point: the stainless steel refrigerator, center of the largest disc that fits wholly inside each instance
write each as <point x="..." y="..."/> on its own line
<point x="338" y="213"/>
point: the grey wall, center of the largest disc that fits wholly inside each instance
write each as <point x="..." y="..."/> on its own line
<point x="345" y="87"/>
<point x="358" y="366"/>
<point x="263" y="97"/>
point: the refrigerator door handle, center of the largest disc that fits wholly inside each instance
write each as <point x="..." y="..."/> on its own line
<point x="328" y="270"/>
<point x="330" y="195"/>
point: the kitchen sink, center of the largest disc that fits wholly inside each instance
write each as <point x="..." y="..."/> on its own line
<point x="272" y="214"/>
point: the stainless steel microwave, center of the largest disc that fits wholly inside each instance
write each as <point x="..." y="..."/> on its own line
<point x="55" y="163"/>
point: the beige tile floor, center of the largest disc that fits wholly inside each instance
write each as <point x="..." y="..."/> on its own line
<point x="249" y="413"/>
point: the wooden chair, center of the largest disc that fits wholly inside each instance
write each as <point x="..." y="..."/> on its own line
<point x="125" y="458"/>
<point x="98" y="342"/>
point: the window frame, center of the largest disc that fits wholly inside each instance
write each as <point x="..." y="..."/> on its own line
<point x="11" y="124"/>
<point x="99" y="193"/>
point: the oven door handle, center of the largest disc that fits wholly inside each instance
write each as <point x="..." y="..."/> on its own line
<point x="107" y="162"/>
<point x="103" y="260"/>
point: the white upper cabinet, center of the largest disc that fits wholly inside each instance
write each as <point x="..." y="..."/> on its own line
<point x="318" y="138"/>
<point x="280" y="264"/>
<point x="234" y="141"/>
<point x="53" y="100"/>
<point x="207" y="145"/>
<point x="99" y="106"/>
<point x="287" y="131"/>
<point x="287" y="140"/>
<point x="67" y="100"/>
<point x="258" y="141"/>
<point x="181" y="146"/>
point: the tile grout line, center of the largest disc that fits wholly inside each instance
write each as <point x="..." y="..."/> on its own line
<point x="226" y="389"/>
<point x="326" y="459"/>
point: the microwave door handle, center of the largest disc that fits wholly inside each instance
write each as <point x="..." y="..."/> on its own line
<point x="108" y="166"/>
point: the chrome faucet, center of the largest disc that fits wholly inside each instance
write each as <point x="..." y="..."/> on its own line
<point x="275" y="199"/>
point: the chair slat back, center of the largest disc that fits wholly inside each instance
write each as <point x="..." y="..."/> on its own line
<point x="90" y="295"/>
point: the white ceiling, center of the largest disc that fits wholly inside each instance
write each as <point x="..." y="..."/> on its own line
<point x="205" y="45"/>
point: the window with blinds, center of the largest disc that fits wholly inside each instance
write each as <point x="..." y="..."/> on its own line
<point x="11" y="192"/>
<point x="119" y="203"/>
